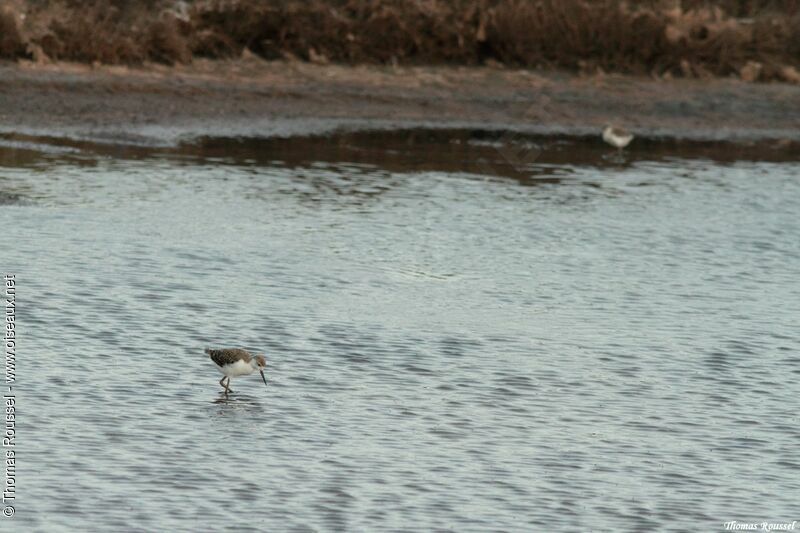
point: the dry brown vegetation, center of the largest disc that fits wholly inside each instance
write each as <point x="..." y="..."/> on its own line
<point x="755" y="39"/>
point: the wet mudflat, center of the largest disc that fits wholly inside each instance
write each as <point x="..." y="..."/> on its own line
<point x="464" y="331"/>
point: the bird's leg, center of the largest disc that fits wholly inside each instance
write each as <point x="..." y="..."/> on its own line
<point x="226" y="385"/>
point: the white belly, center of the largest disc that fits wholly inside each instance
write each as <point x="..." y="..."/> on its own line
<point x="239" y="368"/>
<point x="617" y="141"/>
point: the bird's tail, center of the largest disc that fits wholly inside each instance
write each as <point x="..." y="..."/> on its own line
<point x="208" y="351"/>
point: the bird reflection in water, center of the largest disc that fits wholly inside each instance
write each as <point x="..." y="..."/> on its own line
<point x="238" y="402"/>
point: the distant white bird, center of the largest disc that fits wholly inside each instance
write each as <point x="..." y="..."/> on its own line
<point x="233" y="362"/>
<point x="617" y="137"/>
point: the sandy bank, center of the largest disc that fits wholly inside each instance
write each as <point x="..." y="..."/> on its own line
<point x="251" y="97"/>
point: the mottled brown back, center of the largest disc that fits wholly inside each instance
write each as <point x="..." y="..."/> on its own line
<point x="228" y="356"/>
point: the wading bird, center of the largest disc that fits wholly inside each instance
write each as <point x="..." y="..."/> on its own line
<point x="234" y="362"/>
<point x="617" y="137"/>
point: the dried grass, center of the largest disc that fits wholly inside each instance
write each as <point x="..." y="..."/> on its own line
<point x="661" y="37"/>
<point x="96" y="33"/>
<point x="11" y="42"/>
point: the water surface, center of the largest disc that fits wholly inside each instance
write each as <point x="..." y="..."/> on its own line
<point x="564" y="340"/>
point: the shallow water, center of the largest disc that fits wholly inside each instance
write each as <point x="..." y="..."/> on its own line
<point x="457" y="339"/>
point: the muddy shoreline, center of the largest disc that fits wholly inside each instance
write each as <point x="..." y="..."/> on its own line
<point x="159" y="105"/>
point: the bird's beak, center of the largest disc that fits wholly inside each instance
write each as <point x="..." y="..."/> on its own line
<point x="262" y="377"/>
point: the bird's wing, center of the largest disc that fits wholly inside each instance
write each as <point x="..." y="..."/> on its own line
<point x="228" y="356"/>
